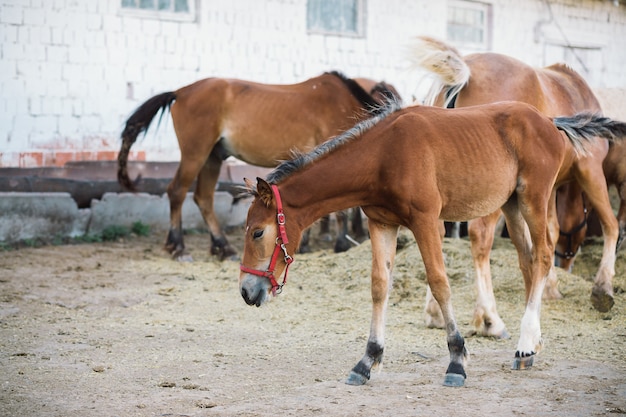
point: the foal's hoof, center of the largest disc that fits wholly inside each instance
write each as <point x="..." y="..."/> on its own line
<point x="521" y="363"/>
<point x="356" y="379"/>
<point x="601" y="301"/>
<point x="454" y="380"/>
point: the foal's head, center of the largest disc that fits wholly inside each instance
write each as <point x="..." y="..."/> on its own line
<point x="267" y="245"/>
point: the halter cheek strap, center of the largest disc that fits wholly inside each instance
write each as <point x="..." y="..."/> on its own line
<point x="281" y="241"/>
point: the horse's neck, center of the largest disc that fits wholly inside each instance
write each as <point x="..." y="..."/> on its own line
<point x="310" y="197"/>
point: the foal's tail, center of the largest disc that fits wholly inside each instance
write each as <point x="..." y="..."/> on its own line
<point x="139" y="122"/>
<point x="583" y="127"/>
<point x="445" y="62"/>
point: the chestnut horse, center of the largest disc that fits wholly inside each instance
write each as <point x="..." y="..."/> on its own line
<point x="555" y="90"/>
<point x="414" y="167"/>
<point x="259" y="124"/>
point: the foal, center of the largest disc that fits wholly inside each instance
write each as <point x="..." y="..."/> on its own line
<point x="414" y="167"/>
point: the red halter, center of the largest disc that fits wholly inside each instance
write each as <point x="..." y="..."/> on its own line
<point x="281" y="241"/>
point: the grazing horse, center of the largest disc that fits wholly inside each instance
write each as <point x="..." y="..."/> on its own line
<point x="555" y="90"/>
<point x="414" y="167"/>
<point x="259" y="124"/>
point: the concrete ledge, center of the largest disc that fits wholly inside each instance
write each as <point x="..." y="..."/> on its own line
<point x="48" y="215"/>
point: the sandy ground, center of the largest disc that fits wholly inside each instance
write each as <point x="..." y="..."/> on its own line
<point x="118" y="329"/>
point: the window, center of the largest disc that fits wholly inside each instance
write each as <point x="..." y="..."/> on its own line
<point x="469" y="24"/>
<point x="336" y="17"/>
<point x="183" y="10"/>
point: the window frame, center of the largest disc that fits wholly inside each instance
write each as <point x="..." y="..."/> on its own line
<point x="487" y="27"/>
<point x="360" y="23"/>
<point x="189" y="16"/>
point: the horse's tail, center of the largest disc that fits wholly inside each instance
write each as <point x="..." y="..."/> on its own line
<point x="445" y="62"/>
<point x="139" y="122"/>
<point x="583" y="127"/>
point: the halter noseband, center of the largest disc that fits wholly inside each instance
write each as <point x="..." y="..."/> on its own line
<point x="281" y="241"/>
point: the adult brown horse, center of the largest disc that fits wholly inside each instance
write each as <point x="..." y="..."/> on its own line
<point x="414" y="167"/>
<point x="260" y="124"/>
<point x="556" y="90"/>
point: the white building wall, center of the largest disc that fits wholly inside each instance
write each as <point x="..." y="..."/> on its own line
<point x="71" y="71"/>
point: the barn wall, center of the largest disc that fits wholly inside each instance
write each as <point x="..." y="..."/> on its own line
<point x="71" y="71"/>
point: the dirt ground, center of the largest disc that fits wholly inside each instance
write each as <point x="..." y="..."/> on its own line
<point x="118" y="329"/>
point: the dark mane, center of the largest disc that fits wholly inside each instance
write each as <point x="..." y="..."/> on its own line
<point x="299" y="161"/>
<point x="367" y="101"/>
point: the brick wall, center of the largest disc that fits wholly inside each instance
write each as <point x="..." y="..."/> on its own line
<point x="71" y="71"/>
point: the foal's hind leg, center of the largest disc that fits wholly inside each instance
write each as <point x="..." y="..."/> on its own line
<point x="383" y="239"/>
<point x="204" y="197"/>
<point x="534" y="248"/>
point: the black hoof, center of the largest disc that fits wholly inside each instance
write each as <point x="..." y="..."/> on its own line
<point x="356" y="379"/>
<point x="602" y="301"/>
<point x="454" y="380"/>
<point x="522" y="363"/>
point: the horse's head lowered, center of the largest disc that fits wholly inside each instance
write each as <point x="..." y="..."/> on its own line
<point x="266" y="246"/>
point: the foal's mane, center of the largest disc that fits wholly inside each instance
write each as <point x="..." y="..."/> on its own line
<point x="300" y="160"/>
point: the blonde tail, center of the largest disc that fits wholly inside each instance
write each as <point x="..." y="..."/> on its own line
<point x="444" y="62"/>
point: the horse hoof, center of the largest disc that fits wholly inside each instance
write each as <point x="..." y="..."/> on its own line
<point x="454" y="380"/>
<point x="602" y="301"/>
<point x="184" y="257"/>
<point x="356" y="379"/>
<point x="520" y="364"/>
<point x="504" y="335"/>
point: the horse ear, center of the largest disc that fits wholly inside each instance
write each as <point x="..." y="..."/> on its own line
<point x="264" y="191"/>
<point x="249" y="186"/>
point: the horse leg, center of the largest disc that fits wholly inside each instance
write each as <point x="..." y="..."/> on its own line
<point x="433" y="317"/>
<point x="427" y="235"/>
<point x="383" y="238"/>
<point x="324" y="233"/>
<point x="621" y="215"/>
<point x="305" y="246"/>
<point x="357" y="224"/>
<point x="177" y="192"/>
<point x="551" y="291"/>
<point x="596" y="190"/>
<point x="532" y="240"/>
<point x="486" y="321"/>
<point x="204" y="197"/>
<point x="342" y="243"/>
<point x="572" y="223"/>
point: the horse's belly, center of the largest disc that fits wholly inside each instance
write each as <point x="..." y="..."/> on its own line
<point x="473" y="200"/>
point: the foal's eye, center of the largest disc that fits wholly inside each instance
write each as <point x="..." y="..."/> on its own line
<point x="257" y="234"/>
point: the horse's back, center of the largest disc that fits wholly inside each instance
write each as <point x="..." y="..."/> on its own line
<point x="263" y="123"/>
<point x="496" y="77"/>
<point x="569" y="92"/>
<point x="555" y="90"/>
<point x="475" y="155"/>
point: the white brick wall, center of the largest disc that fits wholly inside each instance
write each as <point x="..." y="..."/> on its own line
<point x="72" y="71"/>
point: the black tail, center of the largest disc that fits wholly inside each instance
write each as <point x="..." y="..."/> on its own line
<point x="139" y="122"/>
<point x="583" y="127"/>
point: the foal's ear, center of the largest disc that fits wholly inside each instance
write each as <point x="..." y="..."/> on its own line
<point x="264" y="191"/>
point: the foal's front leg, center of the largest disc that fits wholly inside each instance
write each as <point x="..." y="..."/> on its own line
<point x="383" y="238"/>
<point x="430" y="246"/>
